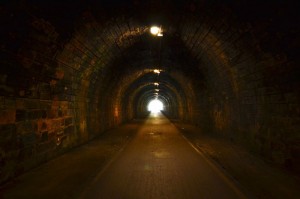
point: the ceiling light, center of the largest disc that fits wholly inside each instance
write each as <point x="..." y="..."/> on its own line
<point x="155" y="30"/>
<point x="156" y="71"/>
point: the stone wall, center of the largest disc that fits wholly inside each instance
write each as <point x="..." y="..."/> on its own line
<point x="67" y="77"/>
<point x="252" y="79"/>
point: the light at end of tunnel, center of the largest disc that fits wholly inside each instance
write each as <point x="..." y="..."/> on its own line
<point x="156" y="84"/>
<point x="155" y="106"/>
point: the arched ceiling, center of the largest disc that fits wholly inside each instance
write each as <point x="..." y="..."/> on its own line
<point x="81" y="67"/>
<point x="115" y="56"/>
<point x="105" y="46"/>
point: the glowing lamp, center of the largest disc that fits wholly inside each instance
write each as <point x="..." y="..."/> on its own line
<point x="156" y="71"/>
<point x="154" y="30"/>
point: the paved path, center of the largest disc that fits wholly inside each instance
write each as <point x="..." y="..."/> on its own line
<point x="160" y="163"/>
<point x="157" y="163"/>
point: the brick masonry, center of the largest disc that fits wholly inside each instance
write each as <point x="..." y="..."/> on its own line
<point x="61" y="85"/>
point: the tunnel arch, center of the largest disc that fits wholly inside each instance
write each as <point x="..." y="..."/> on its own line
<point x="73" y="75"/>
<point x="146" y="82"/>
<point x="144" y="96"/>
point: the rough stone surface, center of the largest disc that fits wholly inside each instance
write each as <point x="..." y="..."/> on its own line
<point x="70" y="72"/>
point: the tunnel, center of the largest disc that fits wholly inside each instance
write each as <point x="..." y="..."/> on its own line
<point x="73" y="70"/>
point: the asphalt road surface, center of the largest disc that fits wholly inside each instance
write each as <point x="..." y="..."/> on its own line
<point x="141" y="160"/>
<point x="160" y="163"/>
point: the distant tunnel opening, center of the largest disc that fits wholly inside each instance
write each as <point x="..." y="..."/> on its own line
<point x="155" y="106"/>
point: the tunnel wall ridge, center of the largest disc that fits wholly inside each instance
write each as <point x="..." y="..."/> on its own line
<point x="250" y="90"/>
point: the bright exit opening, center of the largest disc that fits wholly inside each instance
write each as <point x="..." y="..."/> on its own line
<point x="155" y="106"/>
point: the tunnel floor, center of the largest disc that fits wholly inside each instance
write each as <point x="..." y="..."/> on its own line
<point x="160" y="163"/>
<point x="144" y="159"/>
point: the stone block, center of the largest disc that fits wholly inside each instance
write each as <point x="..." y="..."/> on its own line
<point x="44" y="136"/>
<point x="10" y="103"/>
<point x="45" y="147"/>
<point x="7" y="130"/>
<point x="292" y="98"/>
<point x="26" y="153"/>
<point x="29" y="139"/>
<point x="69" y="130"/>
<point x="68" y="121"/>
<point x="7" y="116"/>
<point x="249" y="100"/>
<point x="51" y="113"/>
<point x="20" y="104"/>
<point x="21" y="115"/>
<point x="56" y="124"/>
<point x="295" y="149"/>
<point x="43" y="114"/>
<point x="32" y="104"/>
<point x="45" y="104"/>
<point x="275" y="99"/>
<point x="8" y="136"/>
<point x="24" y="127"/>
<point x="33" y="115"/>
<point x="2" y="103"/>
